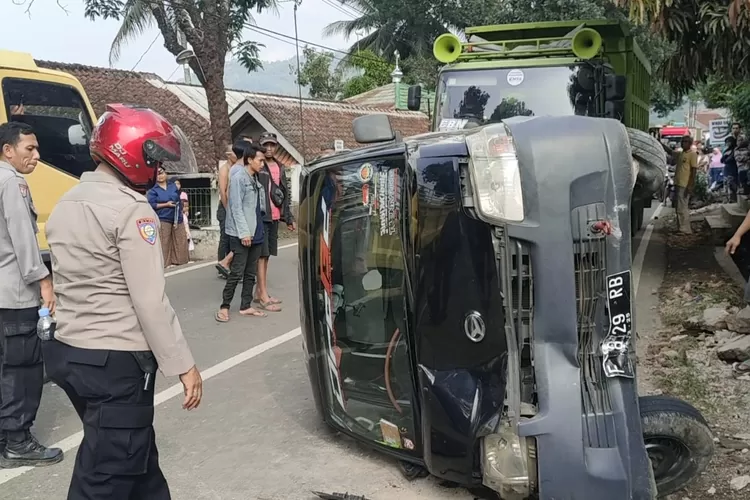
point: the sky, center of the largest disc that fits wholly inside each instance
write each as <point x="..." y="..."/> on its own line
<point x="52" y="35"/>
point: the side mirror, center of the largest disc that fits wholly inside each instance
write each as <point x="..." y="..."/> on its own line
<point x="77" y="135"/>
<point x="370" y="129"/>
<point x="414" y="98"/>
<point x="614" y="109"/>
<point x="615" y="87"/>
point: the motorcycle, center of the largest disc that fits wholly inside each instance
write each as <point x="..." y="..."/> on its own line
<point x="670" y="192"/>
<point x="466" y="309"/>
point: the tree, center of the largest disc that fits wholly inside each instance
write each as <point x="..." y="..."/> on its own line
<point x="318" y="74"/>
<point x="413" y="26"/>
<point x="421" y="70"/>
<point x="376" y="72"/>
<point x="212" y="28"/>
<point x="409" y="27"/>
<point x="508" y="108"/>
<point x="711" y="38"/>
<point x="473" y="104"/>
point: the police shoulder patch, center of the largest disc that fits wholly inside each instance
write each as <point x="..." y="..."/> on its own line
<point x="24" y="188"/>
<point x="147" y="229"/>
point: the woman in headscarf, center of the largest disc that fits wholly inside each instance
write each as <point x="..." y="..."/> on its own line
<point x="164" y="198"/>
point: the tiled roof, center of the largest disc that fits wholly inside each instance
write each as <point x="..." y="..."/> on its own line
<point x="391" y="96"/>
<point x="104" y="86"/>
<point x="324" y="121"/>
<point x="323" y="124"/>
<point x="379" y="97"/>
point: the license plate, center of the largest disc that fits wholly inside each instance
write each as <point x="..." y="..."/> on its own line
<point x="617" y="345"/>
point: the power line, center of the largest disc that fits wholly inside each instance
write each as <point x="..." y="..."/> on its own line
<point x="266" y="31"/>
<point x="299" y="87"/>
<point x="140" y="59"/>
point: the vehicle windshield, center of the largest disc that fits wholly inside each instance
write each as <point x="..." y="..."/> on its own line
<point x="493" y="95"/>
<point x="59" y="117"/>
<point x="360" y="327"/>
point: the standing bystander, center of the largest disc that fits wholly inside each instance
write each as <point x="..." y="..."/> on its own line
<point x="24" y="278"/>
<point x="244" y="227"/>
<point x="684" y="180"/>
<point x="234" y="157"/>
<point x="277" y="208"/>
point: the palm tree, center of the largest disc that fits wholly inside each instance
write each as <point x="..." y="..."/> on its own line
<point x="213" y="28"/>
<point x="409" y="27"/>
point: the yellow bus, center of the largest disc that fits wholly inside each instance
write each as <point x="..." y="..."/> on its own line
<point x="56" y="106"/>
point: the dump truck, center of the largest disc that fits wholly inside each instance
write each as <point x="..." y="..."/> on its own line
<point x="55" y="104"/>
<point x="588" y="68"/>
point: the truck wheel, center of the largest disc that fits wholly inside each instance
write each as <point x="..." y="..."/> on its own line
<point x="678" y="441"/>
<point x="652" y="160"/>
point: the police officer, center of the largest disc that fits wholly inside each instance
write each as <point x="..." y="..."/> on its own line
<point x="115" y="324"/>
<point x="23" y="276"/>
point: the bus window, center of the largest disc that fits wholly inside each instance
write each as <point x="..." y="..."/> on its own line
<point x="60" y="120"/>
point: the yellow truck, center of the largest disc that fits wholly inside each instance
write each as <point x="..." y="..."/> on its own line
<point x="56" y="106"/>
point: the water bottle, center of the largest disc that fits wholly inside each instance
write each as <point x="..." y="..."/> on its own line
<point x="45" y="328"/>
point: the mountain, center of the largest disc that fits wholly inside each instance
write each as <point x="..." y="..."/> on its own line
<point x="274" y="78"/>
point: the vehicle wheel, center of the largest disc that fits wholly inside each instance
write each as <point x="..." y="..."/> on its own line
<point x="678" y="441"/>
<point x="652" y="158"/>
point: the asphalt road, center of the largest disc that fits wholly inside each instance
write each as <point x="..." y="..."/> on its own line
<point x="256" y="435"/>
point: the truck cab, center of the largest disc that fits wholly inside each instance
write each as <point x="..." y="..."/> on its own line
<point x="55" y="105"/>
<point x="587" y="68"/>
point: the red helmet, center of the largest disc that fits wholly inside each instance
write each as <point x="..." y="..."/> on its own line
<point x="134" y="141"/>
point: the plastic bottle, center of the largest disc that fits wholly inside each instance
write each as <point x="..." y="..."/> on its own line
<point x="45" y="328"/>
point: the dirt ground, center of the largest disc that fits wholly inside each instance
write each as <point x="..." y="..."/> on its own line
<point x="684" y="364"/>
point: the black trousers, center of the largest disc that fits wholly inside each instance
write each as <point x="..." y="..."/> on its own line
<point x="117" y="459"/>
<point x="221" y="214"/>
<point x="244" y="268"/>
<point x="21" y="369"/>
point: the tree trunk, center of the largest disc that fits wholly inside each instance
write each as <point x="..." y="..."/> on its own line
<point x="218" y="109"/>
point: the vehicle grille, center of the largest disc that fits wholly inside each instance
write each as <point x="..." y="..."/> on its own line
<point x="521" y="292"/>
<point x="590" y="273"/>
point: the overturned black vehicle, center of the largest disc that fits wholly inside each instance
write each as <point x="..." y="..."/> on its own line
<point x="466" y="308"/>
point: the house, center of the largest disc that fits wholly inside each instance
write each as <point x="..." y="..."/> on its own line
<point x="303" y="127"/>
<point x="393" y="96"/>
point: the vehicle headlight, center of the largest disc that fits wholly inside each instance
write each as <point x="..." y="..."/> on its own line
<point x="495" y="175"/>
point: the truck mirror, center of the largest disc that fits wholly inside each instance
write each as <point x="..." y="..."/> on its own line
<point x="615" y="109"/>
<point x="414" y="98"/>
<point x="615" y="87"/>
<point x="369" y="129"/>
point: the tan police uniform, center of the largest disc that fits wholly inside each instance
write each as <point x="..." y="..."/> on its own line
<point x="21" y="270"/>
<point x="114" y="325"/>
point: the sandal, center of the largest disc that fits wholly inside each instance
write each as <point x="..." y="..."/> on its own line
<point x="270" y="301"/>
<point x="221" y="316"/>
<point x="253" y="312"/>
<point x="222" y="270"/>
<point x="268" y="306"/>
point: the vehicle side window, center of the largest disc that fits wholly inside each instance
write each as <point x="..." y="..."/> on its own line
<point x="60" y="120"/>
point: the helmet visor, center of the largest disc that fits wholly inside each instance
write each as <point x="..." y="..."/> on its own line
<point x="161" y="149"/>
<point x="186" y="163"/>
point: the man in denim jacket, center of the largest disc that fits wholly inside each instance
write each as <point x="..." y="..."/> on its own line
<point x="244" y="226"/>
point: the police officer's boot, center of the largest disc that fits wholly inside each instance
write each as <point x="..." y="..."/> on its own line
<point x="23" y="450"/>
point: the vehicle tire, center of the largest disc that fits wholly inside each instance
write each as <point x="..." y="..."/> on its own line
<point x="648" y="151"/>
<point x="678" y="441"/>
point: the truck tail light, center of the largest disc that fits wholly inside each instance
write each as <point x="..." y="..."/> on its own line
<point x="495" y="175"/>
